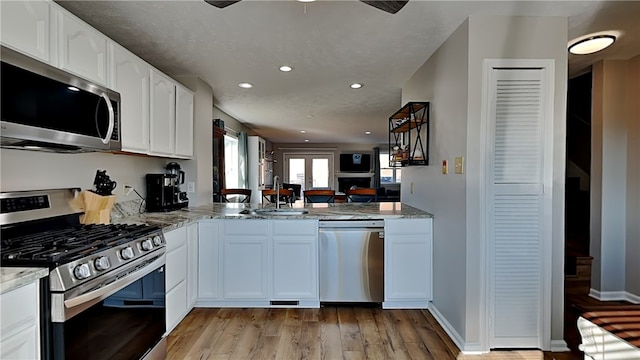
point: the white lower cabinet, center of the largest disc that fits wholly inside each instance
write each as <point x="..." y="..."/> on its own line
<point x="177" y="276"/>
<point x="295" y="263"/>
<point x="407" y="263"/>
<point x="245" y="260"/>
<point x="20" y="326"/>
<point x="192" y="265"/>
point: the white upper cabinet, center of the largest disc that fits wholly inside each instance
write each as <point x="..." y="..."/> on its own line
<point x="83" y="50"/>
<point x="26" y="26"/>
<point x="163" y="115"/>
<point x="184" y="122"/>
<point x="130" y="77"/>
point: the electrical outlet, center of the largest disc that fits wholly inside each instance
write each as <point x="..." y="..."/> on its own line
<point x="191" y="187"/>
<point x="460" y="165"/>
<point x="127" y="190"/>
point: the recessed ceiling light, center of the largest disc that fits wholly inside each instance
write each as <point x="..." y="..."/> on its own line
<point x="306" y="140"/>
<point x="367" y="132"/>
<point x="303" y="131"/>
<point x="306" y="0"/>
<point x="286" y="68"/>
<point x="356" y="86"/>
<point x="592" y="44"/>
<point x="309" y="116"/>
<point x="245" y="85"/>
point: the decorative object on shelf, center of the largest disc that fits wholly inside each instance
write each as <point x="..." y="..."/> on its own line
<point x="409" y="135"/>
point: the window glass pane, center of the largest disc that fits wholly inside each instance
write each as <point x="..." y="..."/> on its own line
<point x="320" y="172"/>
<point x="386" y="176"/>
<point x="398" y="175"/>
<point x="230" y="162"/>
<point x="296" y="171"/>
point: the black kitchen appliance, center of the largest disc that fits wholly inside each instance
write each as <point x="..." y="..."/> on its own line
<point x="104" y="297"/>
<point x="163" y="190"/>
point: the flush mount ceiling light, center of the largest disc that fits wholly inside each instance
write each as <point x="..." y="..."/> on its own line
<point x="286" y="68"/>
<point x="306" y="1"/>
<point x="591" y="44"/>
<point x="367" y="132"/>
<point x="245" y="85"/>
<point x="306" y="140"/>
<point x="303" y="131"/>
<point x="356" y="86"/>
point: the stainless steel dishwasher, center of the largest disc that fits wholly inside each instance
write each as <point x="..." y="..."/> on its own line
<point x="351" y="260"/>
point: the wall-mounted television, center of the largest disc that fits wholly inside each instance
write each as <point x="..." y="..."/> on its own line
<point x="355" y="162"/>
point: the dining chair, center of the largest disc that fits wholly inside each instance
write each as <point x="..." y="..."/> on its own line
<point x="364" y="195"/>
<point x="319" y="196"/>
<point x="269" y="195"/>
<point x="235" y="195"/>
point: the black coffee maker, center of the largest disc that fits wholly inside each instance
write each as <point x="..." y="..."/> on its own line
<point x="163" y="190"/>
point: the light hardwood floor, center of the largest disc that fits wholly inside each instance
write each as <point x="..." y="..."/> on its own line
<point x="326" y="333"/>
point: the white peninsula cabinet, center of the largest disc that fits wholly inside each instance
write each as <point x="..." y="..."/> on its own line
<point x="26" y="26"/>
<point x="408" y="263"/>
<point x="180" y="277"/>
<point x="258" y="263"/>
<point x="20" y="326"/>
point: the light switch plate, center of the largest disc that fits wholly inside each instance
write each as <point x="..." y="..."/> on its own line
<point x="191" y="187"/>
<point x="460" y="165"/>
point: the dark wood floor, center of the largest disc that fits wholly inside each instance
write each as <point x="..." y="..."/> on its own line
<point x="325" y="333"/>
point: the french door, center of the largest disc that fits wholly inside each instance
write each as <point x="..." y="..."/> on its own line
<point x="310" y="170"/>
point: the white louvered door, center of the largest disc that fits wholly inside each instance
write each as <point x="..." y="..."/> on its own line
<point x="518" y="223"/>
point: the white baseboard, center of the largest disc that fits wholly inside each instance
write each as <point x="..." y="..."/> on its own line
<point x="614" y="296"/>
<point x="465" y="347"/>
<point x="559" y="346"/>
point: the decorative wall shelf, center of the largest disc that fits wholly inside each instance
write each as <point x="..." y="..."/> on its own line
<point x="408" y="129"/>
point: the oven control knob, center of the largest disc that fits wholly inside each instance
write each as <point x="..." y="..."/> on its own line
<point x="102" y="263"/>
<point x="127" y="253"/>
<point x="82" y="271"/>
<point x="157" y="240"/>
<point x="146" y="245"/>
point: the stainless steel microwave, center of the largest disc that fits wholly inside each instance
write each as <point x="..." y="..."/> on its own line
<point x="45" y="108"/>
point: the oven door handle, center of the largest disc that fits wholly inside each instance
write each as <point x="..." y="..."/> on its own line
<point x="107" y="290"/>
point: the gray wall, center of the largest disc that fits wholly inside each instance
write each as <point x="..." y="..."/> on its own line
<point x="615" y="184"/>
<point x="452" y="80"/>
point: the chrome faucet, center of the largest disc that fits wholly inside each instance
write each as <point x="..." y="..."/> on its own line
<point x="276" y="180"/>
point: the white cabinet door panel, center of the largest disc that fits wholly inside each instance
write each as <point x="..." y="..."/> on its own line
<point x="184" y="122"/>
<point x="130" y="77"/>
<point x="245" y="267"/>
<point x="83" y="50"/>
<point x="176" y="268"/>
<point x="26" y="27"/>
<point x="295" y="268"/>
<point x="162" y="124"/>
<point x="20" y="325"/>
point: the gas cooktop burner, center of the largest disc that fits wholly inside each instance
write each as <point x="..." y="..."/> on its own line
<point x="65" y="245"/>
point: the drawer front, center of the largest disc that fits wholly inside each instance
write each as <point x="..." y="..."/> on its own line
<point x="18" y="308"/>
<point x="246" y="227"/>
<point x="176" y="238"/>
<point x="295" y="227"/>
<point x="407" y="226"/>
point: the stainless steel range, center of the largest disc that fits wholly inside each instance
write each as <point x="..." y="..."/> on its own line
<point x="104" y="297"/>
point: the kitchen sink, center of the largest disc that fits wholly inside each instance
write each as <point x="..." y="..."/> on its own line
<point x="276" y="212"/>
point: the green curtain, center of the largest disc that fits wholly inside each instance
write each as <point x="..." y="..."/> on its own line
<point x="243" y="162"/>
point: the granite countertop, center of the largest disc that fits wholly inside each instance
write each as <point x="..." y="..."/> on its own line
<point x="339" y="211"/>
<point x="13" y="278"/>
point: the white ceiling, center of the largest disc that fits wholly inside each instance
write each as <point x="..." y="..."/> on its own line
<point x="330" y="44"/>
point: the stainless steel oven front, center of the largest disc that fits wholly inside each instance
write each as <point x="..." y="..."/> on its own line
<point x="119" y="316"/>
